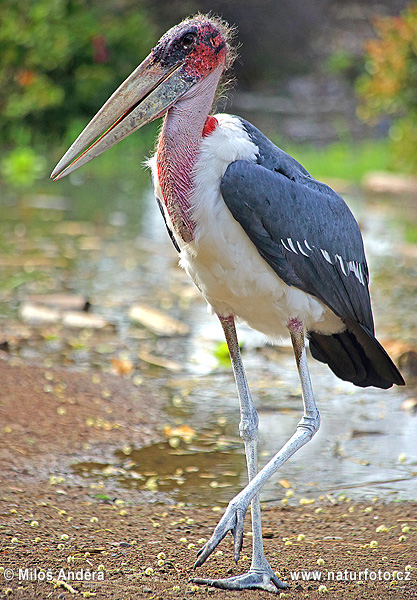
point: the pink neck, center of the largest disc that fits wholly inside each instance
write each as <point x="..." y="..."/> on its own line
<point x="178" y="149"/>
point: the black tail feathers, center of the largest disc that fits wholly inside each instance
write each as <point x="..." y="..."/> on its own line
<point x="356" y="355"/>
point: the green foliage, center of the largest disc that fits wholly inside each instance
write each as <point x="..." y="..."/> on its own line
<point x="60" y="59"/>
<point x="22" y="167"/>
<point x="390" y="84"/>
<point x="345" y="64"/>
<point x="340" y="62"/>
<point x="221" y="352"/>
<point x="341" y="160"/>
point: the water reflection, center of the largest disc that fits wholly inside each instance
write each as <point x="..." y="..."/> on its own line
<point x="115" y="253"/>
<point x="206" y="472"/>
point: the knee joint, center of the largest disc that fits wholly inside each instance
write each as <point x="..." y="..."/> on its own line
<point x="310" y="423"/>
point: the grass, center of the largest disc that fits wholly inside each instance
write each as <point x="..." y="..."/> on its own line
<point x="122" y="166"/>
<point x="342" y="160"/>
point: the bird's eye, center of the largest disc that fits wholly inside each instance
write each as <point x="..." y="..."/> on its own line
<point x="188" y="40"/>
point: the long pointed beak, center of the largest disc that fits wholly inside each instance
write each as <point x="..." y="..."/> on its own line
<point x="144" y="96"/>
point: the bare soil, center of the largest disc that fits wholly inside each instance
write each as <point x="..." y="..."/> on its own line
<point x="140" y="544"/>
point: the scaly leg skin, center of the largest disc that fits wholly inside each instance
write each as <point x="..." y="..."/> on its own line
<point x="260" y="574"/>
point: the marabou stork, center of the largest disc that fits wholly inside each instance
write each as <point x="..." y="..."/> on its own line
<point x="262" y="240"/>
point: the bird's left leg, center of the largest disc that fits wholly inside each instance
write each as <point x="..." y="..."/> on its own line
<point x="260" y="574"/>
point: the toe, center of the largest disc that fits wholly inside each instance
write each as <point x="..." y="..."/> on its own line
<point x="238" y="534"/>
<point x="209" y="546"/>
<point x="249" y="581"/>
<point x="232" y="520"/>
<point x="278" y="583"/>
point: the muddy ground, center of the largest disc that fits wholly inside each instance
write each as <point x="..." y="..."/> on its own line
<point x="139" y="544"/>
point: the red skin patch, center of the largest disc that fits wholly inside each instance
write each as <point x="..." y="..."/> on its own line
<point x="295" y="324"/>
<point x="176" y="158"/>
<point x="174" y="174"/>
<point x="209" y="51"/>
<point x="209" y="126"/>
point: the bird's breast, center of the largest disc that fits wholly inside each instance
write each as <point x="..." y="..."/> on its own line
<point x="221" y="259"/>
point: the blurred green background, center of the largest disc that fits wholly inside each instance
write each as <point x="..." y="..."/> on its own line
<point x="338" y="76"/>
<point x="333" y="82"/>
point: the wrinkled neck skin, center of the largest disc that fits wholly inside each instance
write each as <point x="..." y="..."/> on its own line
<point x="178" y="149"/>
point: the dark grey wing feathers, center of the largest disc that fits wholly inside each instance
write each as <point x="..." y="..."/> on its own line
<point x="307" y="235"/>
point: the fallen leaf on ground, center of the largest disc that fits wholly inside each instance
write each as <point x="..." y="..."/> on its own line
<point x="122" y="367"/>
<point x="83" y="320"/>
<point x="157" y="321"/>
<point x="182" y="431"/>
<point x="158" y="361"/>
<point x="32" y="313"/>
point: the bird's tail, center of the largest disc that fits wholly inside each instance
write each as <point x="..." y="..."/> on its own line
<point x="356" y="355"/>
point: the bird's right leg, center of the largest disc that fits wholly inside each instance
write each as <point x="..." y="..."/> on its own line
<point x="260" y="574"/>
<point x="232" y="520"/>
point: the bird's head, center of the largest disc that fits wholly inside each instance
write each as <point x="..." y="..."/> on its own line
<point x="183" y="57"/>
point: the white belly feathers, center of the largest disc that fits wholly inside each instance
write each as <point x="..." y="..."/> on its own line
<point x="222" y="261"/>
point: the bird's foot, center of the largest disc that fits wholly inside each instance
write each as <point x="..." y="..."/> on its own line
<point x="232" y="520"/>
<point x="260" y="576"/>
<point x="263" y="579"/>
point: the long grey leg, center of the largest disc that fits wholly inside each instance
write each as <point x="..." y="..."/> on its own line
<point x="311" y="415"/>
<point x="260" y="574"/>
<point x="232" y="519"/>
<point x="248" y="428"/>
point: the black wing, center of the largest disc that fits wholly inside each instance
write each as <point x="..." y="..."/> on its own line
<point x="308" y="235"/>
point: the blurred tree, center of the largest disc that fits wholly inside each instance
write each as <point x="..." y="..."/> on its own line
<point x="60" y="59"/>
<point x="390" y="85"/>
<point x="274" y="37"/>
<point x="279" y="39"/>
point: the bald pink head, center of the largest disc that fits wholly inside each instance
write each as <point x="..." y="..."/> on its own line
<point x="185" y="65"/>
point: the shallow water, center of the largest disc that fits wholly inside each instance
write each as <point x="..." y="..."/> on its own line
<point x="115" y="253"/>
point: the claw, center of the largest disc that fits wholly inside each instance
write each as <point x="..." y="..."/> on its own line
<point x="207" y="549"/>
<point x="232" y="520"/>
<point x="238" y="534"/>
<point x="281" y="585"/>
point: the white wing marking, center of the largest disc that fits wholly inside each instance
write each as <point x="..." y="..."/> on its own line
<point x="301" y="250"/>
<point x="342" y="264"/>
<point x="357" y="270"/>
<point x="291" y="244"/>
<point x="326" y="255"/>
